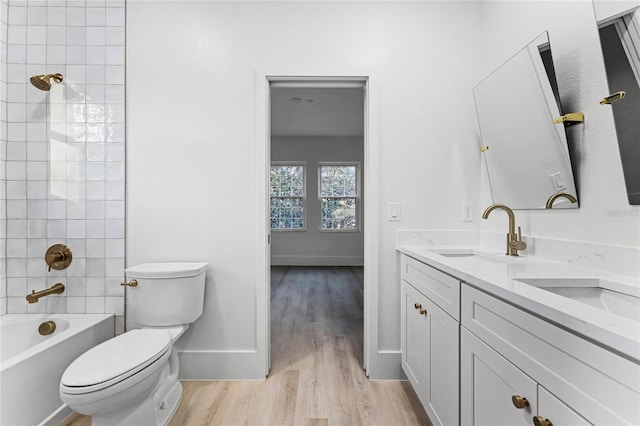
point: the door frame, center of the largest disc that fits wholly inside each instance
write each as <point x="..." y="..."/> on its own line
<point x="264" y="78"/>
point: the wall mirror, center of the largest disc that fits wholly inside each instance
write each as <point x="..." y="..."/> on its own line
<point x="619" y="28"/>
<point x="526" y="154"/>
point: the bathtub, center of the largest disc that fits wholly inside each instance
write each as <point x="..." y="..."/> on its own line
<point x="31" y="365"/>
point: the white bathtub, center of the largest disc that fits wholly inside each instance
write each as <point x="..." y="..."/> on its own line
<point x="31" y="365"/>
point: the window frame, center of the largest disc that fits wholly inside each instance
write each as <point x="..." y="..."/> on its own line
<point x="358" y="196"/>
<point x="302" y="164"/>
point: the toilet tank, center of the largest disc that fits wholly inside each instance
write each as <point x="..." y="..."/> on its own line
<point x="167" y="294"/>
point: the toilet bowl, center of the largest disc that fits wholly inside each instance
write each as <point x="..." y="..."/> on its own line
<point x="132" y="379"/>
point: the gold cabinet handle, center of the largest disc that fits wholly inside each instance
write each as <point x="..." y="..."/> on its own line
<point x="132" y="283"/>
<point x="519" y="401"/>
<point x="417" y="306"/>
<point x="422" y="311"/>
<point x="541" y="421"/>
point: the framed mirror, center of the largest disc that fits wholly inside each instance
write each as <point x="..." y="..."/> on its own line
<point x="619" y="28"/>
<point x="526" y="154"/>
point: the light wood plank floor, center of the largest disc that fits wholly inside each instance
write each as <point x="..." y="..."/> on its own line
<point x="316" y="376"/>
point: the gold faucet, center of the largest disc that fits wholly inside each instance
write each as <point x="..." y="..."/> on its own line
<point x="514" y="241"/>
<point x="554" y="197"/>
<point x="34" y="296"/>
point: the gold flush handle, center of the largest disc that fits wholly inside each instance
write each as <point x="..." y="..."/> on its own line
<point x="519" y="401"/>
<point x="613" y="98"/>
<point x="132" y="283"/>
<point x="541" y="421"/>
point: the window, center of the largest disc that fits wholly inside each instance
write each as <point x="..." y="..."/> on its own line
<point x="287" y="196"/>
<point x="339" y="187"/>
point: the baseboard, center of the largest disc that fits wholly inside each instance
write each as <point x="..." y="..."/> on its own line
<point x="57" y="416"/>
<point x="304" y="260"/>
<point x="220" y="365"/>
<point x="389" y="366"/>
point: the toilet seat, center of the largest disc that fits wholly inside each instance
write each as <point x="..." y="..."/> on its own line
<point x="116" y="360"/>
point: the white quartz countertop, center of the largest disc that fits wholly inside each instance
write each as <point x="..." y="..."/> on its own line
<point x="500" y="275"/>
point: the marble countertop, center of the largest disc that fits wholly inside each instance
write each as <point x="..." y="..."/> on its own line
<point x="500" y="275"/>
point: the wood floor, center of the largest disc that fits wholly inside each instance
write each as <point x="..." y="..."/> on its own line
<point x="316" y="377"/>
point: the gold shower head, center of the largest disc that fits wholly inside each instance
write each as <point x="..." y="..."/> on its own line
<point x="43" y="82"/>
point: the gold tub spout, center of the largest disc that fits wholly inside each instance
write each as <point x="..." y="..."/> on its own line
<point x="35" y="295"/>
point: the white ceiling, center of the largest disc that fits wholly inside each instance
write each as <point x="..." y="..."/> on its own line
<point x="332" y="112"/>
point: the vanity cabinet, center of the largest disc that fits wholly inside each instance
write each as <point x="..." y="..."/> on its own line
<point x="430" y="340"/>
<point x="509" y="353"/>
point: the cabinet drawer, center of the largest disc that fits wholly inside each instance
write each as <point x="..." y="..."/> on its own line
<point x="443" y="289"/>
<point x="600" y="385"/>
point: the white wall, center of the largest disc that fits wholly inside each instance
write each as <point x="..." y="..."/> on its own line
<point x="191" y="183"/>
<point x="311" y="246"/>
<point x="604" y="215"/>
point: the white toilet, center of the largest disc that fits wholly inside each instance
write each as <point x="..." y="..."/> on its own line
<point x="132" y="379"/>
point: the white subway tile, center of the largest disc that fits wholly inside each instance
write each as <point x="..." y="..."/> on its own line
<point x="56" y="35"/>
<point x="37" y="112"/>
<point x="96" y="55"/>
<point x="96" y="151"/>
<point x="36" y="247"/>
<point x="76" y="152"/>
<point x="16" y="112"/>
<point x="76" y="36"/>
<point x="17" y="287"/>
<point x="36" y="54"/>
<point x="56" y="209"/>
<point x="115" y="17"/>
<point x="16" y="267"/>
<point x="16" y="305"/>
<point x="95" y="305"/>
<point x="96" y="132"/>
<point x="96" y="36"/>
<point x="115" y="55"/>
<point x="16" y="209"/>
<point x="76" y="209"/>
<point x="76" y="173"/>
<point x="114" y="228"/>
<point x="16" y="170"/>
<point x="76" y="229"/>
<point x="37" y="151"/>
<point x="37" y="132"/>
<point x="78" y="268"/>
<point x="115" y="247"/>
<point x="115" y="152"/>
<point x="37" y="34"/>
<point x="115" y="113"/>
<point x="76" y="17"/>
<point x="36" y="267"/>
<point x="16" y="190"/>
<point x="56" y="304"/>
<point x="18" y="14"/>
<point x="96" y="269"/>
<point x="75" y="287"/>
<point x="16" y="73"/>
<point x="96" y="93"/>
<point x="37" y="170"/>
<point x="95" y="228"/>
<point x="96" y="171"/>
<point x="76" y="132"/>
<point x="115" y="74"/>
<point x="37" y="308"/>
<point x="17" y="34"/>
<point x="37" y="190"/>
<point x="76" y="55"/>
<point x="16" y="151"/>
<point x="96" y="74"/>
<point x="36" y="228"/>
<point x="95" y="190"/>
<point x="37" y="15"/>
<point x="113" y="287"/>
<point x="115" y="133"/>
<point x="56" y="54"/>
<point x="114" y="305"/>
<point x="56" y="228"/>
<point x="75" y="305"/>
<point x="56" y="15"/>
<point x="96" y="16"/>
<point x="16" y="228"/>
<point x="16" y="247"/>
<point x="17" y="131"/>
<point x="36" y="209"/>
<point x="16" y="54"/>
<point x="115" y="93"/>
<point x="115" y="171"/>
<point x="16" y="92"/>
<point x="96" y="247"/>
<point x="115" y="190"/>
<point x="95" y="113"/>
<point x="115" y="36"/>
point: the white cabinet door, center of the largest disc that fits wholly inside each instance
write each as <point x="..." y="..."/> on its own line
<point x="488" y="384"/>
<point x="557" y="413"/>
<point x="415" y="341"/>
<point x="430" y="355"/>
<point x="444" y="367"/>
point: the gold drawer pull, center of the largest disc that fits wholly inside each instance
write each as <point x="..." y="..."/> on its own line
<point x="132" y="283"/>
<point x="423" y="311"/>
<point x="541" y="421"/>
<point x="417" y="306"/>
<point x="519" y="401"/>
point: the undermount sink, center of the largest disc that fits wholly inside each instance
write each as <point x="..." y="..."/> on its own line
<point x="467" y="255"/>
<point x="593" y="292"/>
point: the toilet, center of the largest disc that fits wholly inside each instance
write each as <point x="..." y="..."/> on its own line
<point x="132" y="379"/>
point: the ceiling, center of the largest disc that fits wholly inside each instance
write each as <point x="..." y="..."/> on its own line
<point x="304" y="111"/>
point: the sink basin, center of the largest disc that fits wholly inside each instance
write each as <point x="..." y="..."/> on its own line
<point x="468" y="255"/>
<point x="593" y="292"/>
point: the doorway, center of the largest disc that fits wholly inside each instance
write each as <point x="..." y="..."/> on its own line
<point x="364" y="214"/>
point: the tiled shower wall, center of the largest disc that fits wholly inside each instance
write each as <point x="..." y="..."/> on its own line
<point x="65" y="154"/>
<point x="4" y="9"/>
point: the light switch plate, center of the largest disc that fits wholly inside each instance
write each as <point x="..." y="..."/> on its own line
<point x="394" y="212"/>
<point x="467" y="212"/>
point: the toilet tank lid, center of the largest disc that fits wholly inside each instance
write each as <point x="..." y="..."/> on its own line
<point x="166" y="270"/>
